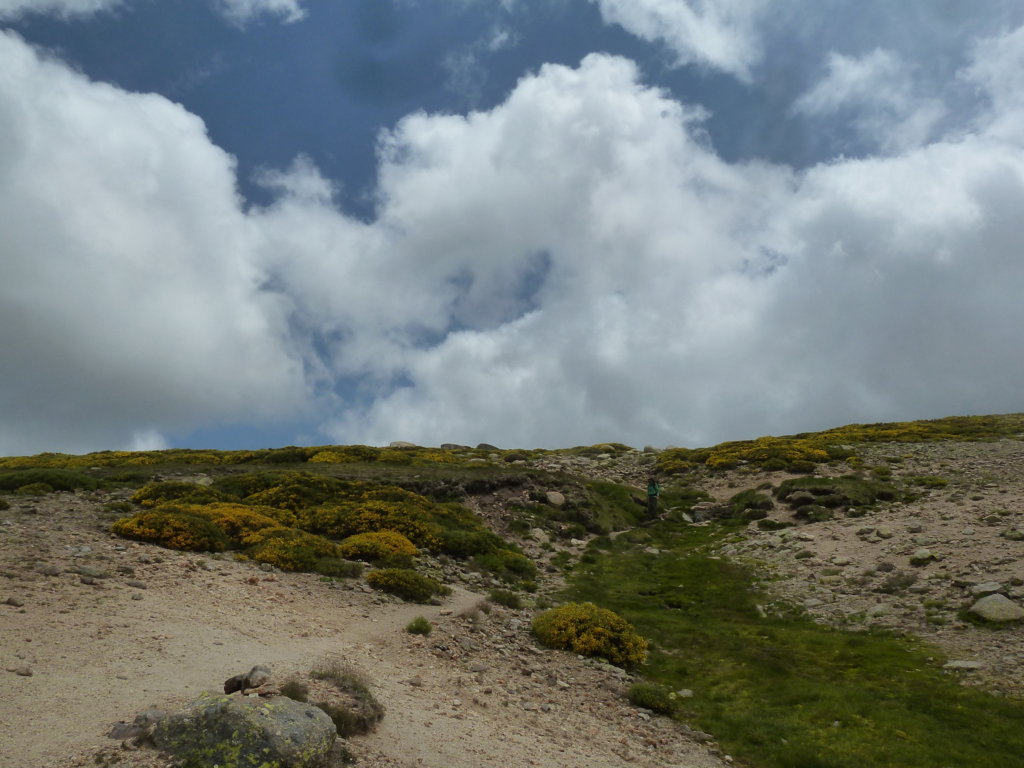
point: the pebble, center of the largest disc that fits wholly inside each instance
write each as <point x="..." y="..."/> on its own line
<point x="17" y="602"/>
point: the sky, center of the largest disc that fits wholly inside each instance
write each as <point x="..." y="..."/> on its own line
<point x="532" y="223"/>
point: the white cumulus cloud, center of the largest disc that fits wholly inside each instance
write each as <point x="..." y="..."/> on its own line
<point x="877" y="95"/>
<point x="237" y="11"/>
<point x="65" y="8"/>
<point x="722" y="34"/>
<point x="129" y="294"/>
<point x="244" y="11"/>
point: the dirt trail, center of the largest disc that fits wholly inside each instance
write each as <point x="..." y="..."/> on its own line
<point x="107" y="628"/>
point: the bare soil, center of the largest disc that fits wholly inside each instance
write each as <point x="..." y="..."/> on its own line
<point x="79" y="653"/>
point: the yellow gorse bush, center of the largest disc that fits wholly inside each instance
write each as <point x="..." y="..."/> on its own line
<point x="586" y="629"/>
<point x="173" y="529"/>
<point x="377" y="545"/>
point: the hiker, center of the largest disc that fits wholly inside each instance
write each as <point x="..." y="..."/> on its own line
<point x="653" y="492"/>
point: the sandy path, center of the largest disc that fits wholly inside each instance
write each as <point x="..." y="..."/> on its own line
<point x="473" y="693"/>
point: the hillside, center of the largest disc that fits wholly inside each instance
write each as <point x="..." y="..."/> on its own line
<point x="761" y="589"/>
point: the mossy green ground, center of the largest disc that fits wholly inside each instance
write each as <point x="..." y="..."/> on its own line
<point x="782" y="691"/>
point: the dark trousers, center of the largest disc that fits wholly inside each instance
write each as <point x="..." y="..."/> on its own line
<point x="652" y="506"/>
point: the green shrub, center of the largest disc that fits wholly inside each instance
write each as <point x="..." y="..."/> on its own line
<point x="35" y="489"/>
<point x="834" y="491"/>
<point x="155" y="494"/>
<point x="290" y="549"/>
<point x="654" y="697"/>
<point x="506" y="598"/>
<point x="506" y="565"/>
<point x="466" y="543"/>
<point x="591" y="631"/>
<point x="419" y="626"/>
<point x="56" y="479"/>
<point x="120" y="507"/>
<point x="406" y="584"/>
<point x="772" y="525"/>
<point x="174" y="530"/>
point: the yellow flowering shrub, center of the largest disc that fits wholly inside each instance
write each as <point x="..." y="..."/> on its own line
<point x="346" y="520"/>
<point x="173" y="529"/>
<point x="345" y="454"/>
<point x="154" y="494"/>
<point x="591" y="631"/>
<point x="290" y="549"/>
<point x="377" y="545"/>
<point x="240" y="522"/>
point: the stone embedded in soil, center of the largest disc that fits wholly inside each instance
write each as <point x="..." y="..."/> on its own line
<point x="997" y="608"/>
<point x="964" y="665"/>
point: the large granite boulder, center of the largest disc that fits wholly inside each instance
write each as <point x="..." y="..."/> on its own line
<point x="247" y="732"/>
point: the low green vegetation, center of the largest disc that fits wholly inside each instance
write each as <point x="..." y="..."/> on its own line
<point x="35" y="481"/>
<point x="406" y="584"/>
<point x="305" y="521"/>
<point x="782" y="691"/>
<point x="419" y="626"/>
<point x="802" y="452"/>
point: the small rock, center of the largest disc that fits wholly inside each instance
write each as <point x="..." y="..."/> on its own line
<point x="884" y="532"/>
<point x="922" y="556"/>
<point x="92" y="573"/>
<point x="50" y="570"/>
<point x="136" y="583"/>
<point x="964" y="665"/>
<point x="17" y="602"/>
<point x="21" y="671"/>
<point x="1014" y="534"/>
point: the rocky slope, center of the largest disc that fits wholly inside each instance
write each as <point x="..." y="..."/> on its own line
<point x="94" y="629"/>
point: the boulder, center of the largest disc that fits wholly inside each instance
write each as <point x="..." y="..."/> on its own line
<point x="239" y="732"/>
<point x="401" y="444"/>
<point x="555" y="499"/>
<point x="997" y="608"/>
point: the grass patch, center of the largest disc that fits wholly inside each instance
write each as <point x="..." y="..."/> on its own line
<point x="506" y="598"/>
<point x="419" y="626"/>
<point x="782" y="691"/>
<point x="356" y="710"/>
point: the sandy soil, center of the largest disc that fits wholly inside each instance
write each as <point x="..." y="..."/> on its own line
<point x="95" y="629"/>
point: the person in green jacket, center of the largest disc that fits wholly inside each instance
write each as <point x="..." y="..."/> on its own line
<point x="653" y="492"/>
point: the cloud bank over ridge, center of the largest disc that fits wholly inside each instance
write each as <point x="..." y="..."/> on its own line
<point x="576" y="264"/>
